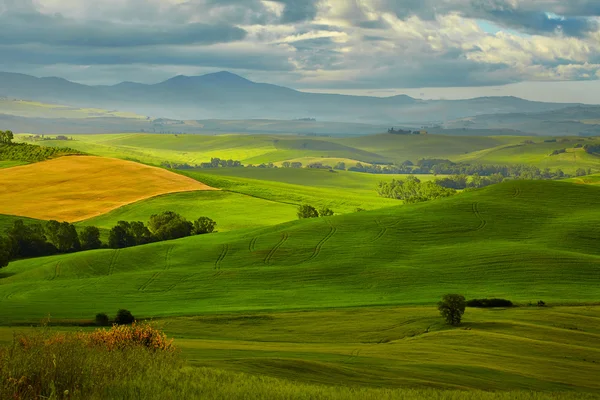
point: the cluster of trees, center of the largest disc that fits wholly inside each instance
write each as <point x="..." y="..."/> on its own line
<point x="287" y="164"/>
<point x="460" y="182"/>
<point x="412" y="190"/>
<point x="167" y="225"/>
<point x="318" y="165"/>
<point x="214" y="163"/>
<point x="36" y="240"/>
<point x="32" y="153"/>
<point x="123" y="317"/>
<point x="6" y="137"/>
<point x="405" y="168"/>
<point x="307" y="211"/>
<point x="592" y="148"/>
<point x="402" y="132"/>
<point x="447" y="167"/>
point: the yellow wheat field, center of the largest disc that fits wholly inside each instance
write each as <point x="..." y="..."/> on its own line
<point x="75" y="188"/>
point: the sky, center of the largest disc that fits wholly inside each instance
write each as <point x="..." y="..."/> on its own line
<point x="537" y="49"/>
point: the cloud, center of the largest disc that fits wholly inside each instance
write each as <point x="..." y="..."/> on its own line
<point x="307" y="44"/>
<point x="26" y="28"/>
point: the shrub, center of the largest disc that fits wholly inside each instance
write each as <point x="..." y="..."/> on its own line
<point x="489" y="303"/>
<point x="124" y="317"/>
<point x="452" y="308"/>
<point x="325" y="212"/>
<point x="204" y="225"/>
<point x="307" y="211"/>
<point x="541" y="303"/>
<point x="78" y="365"/>
<point x="102" y="319"/>
<point x="169" y="225"/>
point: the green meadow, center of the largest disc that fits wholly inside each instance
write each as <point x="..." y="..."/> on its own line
<point x="520" y="240"/>
<point x="341" y="307"/>
<point x="383" y="148"/>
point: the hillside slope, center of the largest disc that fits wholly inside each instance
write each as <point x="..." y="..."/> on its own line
<point x="521" y="240"/>
<point x="79" y="187"/>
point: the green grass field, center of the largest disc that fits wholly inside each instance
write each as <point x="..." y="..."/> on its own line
<point x="521" y="240"/>
<point x="384" y="148"/>
<point x="527" y="348"/>
<point x="327" y="305"/>
<point x="232" y="211"/>
<point x="10" y="163"/>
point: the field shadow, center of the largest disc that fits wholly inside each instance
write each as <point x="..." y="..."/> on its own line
<point x="4" y="275"/>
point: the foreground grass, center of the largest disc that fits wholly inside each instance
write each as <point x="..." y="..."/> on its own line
<point x="45" y="364"/>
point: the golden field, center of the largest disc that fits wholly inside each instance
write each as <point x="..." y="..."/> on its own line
<point x="75" y="188"/>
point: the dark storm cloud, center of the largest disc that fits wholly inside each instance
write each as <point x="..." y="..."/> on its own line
<point x="297" y="11"/>
<point x="148" y="55"/>
<point x="24" y="28"/>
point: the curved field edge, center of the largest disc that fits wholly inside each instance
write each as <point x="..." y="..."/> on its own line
<point x="539" y="245"/>
<point x="79" y="187"/>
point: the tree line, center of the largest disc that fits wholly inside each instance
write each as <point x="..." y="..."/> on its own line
<point x="447" y="167"/>
<point x="167" y="225"/>
<point x="412" y="190"/>
<point x="23" y="240"/>
<point x="214" y="163"/>
<point x="28" y="152"/>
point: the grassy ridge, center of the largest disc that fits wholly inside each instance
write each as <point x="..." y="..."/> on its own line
<point x="522" y="240"/>
<point x="230" y="210"/>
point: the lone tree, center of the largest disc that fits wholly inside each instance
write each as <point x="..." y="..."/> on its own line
<point x="452" y="307"/>
<point x="124" y="317"/>
<point x="306" y="211"/>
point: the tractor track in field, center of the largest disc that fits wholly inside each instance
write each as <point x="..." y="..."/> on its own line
<point x="113" y="261"/>
<point x="381" y="232"/>
<point x="322" y="242"/>
<point x="353" y="355"/>
<point x="516" y="193"/>
<point x="220" y="259"/>
<point x="56" y="272"/>
<point x="483" y="222"/>
<point x="155" y="276"/>
<point x="252" y="245"/>
<point x="284" y="238"/>
<point x="384" y="229"/>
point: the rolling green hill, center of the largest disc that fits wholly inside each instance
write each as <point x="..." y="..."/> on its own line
<point x="230" y="210"/>
<point x="521" y="240"/>
<point x="384" y="148"/>
<point x="349" y="299"/>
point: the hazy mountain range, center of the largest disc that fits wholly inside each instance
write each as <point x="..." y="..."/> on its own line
<point x="225" y="95"/>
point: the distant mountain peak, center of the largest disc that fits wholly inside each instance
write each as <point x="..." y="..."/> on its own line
<point x="217" y="78"/>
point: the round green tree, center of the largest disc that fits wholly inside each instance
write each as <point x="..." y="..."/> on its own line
<point x="452" y="307"/>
